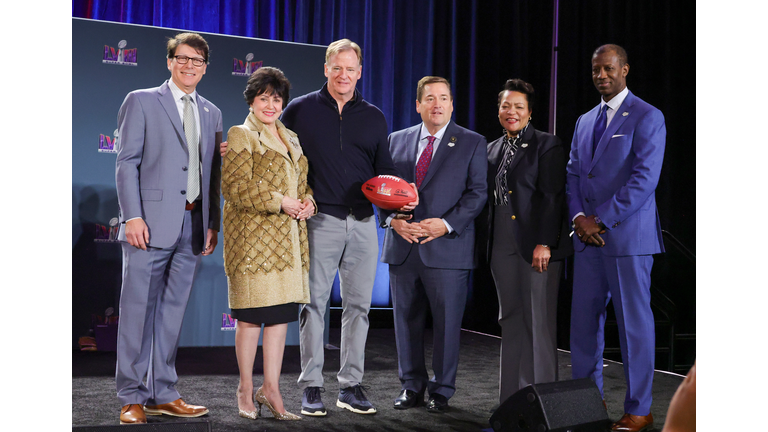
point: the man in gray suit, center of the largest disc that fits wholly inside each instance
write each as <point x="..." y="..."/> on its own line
<point x="167" y="174"/>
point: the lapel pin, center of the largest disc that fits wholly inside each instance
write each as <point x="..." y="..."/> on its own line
<point x="453" y="142"/>
<point x="625" y="114"/>
<point x="206" y="109"/>
<point x="523" y="145"/>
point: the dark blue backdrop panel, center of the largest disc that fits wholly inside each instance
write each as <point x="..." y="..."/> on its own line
<point x="98" y="89"/>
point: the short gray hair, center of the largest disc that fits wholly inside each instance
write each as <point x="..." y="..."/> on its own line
<point x="343" y="45"/>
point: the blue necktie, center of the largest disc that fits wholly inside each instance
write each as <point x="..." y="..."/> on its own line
<point x="599" y="128"/>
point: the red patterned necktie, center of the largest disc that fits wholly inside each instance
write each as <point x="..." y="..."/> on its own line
<point x="423" y="164"/>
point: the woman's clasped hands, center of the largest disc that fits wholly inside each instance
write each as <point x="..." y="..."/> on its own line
<point x="301" y="210"/>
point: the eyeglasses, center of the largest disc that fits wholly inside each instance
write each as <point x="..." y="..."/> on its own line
<point x="184" y="59"/>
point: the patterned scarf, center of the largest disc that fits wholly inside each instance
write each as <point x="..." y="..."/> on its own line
<point x="509" y="147"/>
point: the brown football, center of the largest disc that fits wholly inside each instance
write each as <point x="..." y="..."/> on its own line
<point x="389" y="192"/>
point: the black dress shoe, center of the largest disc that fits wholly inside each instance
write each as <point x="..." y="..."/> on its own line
<point x="437" y="403"/>
<point x="409" y="399"/>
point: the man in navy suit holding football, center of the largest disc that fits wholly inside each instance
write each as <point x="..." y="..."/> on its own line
<point x="430" y="252"/>
<point x="616" y="158"/>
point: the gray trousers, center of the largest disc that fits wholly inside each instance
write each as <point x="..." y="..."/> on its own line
<point x="527" y="312"/>
<point x="156" y="287"/>
<point x="351" y="247"/>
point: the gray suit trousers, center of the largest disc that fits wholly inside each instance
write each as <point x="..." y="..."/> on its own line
<point x="527" y="312"/>
<point x="351" y="247"/>
<point x="156" y="287"/>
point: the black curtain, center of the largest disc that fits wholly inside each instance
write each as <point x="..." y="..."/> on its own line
<point x="660" y="39"/>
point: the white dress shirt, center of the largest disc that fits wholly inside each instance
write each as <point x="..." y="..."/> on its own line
<point x="423" y="141"/>
<point x="613" y="105"/>
<point x="177" y="95"/>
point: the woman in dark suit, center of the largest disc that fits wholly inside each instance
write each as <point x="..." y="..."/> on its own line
<point x="528" y="239"/>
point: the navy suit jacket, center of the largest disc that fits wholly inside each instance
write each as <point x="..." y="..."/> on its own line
<point x="152" y="159"/>
<point x="618" y="184"/>
<point x="454" y="189"/>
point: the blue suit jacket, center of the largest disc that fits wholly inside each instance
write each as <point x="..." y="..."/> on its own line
<point x="619" y="183"/>
<point x="152" y="157"/>
<point x="454" y="189"/>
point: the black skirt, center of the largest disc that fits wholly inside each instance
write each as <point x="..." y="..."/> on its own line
<point x="278" y="314"/>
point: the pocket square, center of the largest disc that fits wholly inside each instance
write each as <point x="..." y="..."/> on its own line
<point x="620" y="135"/>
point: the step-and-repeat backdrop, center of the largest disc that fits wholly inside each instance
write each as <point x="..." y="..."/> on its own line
<point x="109" y="60"/>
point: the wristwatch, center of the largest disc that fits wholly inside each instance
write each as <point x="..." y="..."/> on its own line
<point x="600" y="222"/>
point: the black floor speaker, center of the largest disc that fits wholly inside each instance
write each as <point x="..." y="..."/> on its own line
<point x="563" y="406"/>
<point x="161" y="426"/>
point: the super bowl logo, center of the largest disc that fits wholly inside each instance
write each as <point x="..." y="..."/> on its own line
<point x="120" y="56"/>
<point x="108" y="144"/>
<point x="247" y="67"/>
<point x="384" y="190"/>
<point x="227" y="322"/>
<point x="106" y="234"/>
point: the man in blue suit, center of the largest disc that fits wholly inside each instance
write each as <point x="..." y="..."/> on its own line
<point x="167" y="176"/>
<point x="430" y="252"/>
<point x="616" y="157"/>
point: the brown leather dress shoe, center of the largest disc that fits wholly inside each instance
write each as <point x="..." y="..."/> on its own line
<point x="633" y="423"/>
<point x="131" y="414"/>
<point x="177" y="408"/>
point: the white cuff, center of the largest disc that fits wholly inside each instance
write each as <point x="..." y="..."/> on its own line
<point x="448" y="226"/>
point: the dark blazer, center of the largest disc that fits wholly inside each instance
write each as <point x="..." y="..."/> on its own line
<point x="536" y="183"/>
<point x="454" y="189"/>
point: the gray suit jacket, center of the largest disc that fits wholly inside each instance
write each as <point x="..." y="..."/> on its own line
<point x="152" y="158"/>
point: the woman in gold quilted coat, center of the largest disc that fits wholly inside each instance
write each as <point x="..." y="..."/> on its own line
<point x="266" y="251"/>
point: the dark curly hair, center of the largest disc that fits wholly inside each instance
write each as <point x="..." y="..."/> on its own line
<point x="267" y="80"/>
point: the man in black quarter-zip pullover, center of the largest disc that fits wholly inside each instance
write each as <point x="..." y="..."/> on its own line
<point x="345" y="147"/>
<point x="345" y="140"/>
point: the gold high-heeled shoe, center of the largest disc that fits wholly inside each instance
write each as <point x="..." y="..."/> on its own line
<point x="253" y="415"/>
<point x="261" y="399"/>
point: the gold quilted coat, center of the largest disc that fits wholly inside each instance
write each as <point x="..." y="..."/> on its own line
<point x="266" y="252"/>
